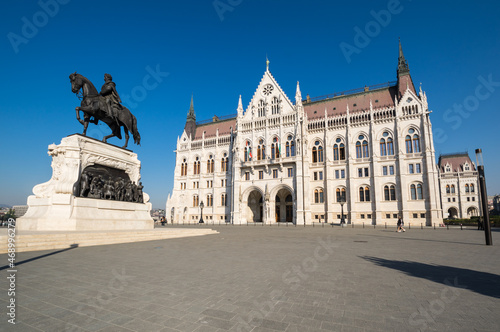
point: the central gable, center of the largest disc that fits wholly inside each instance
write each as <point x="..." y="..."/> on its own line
<point x="268" y="100"/>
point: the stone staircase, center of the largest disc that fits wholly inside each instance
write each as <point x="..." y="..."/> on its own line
<point x="45" y="240"/>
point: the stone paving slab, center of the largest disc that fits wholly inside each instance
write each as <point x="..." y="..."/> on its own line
<point x="249" y="278"/>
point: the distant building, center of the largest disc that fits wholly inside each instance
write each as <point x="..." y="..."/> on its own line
<point x="20" y="210"/>
<point x="458" y="185"/>
<point x="496" y="204"/>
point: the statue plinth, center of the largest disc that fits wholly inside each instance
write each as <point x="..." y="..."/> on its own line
<point x="61" y="204"/>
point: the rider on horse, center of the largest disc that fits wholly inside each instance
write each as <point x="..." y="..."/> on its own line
<point x="113" y="101"/>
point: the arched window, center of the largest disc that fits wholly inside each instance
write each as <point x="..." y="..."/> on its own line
<point x="248" y="152"/>
<point x="419" y="192"/>
<point x="408" y="144"/>
<point x="184" y="167"/>
<point x="261" y="150"/>
<point x="362" y="150"/>
<point x="290" y="146"/>
<point x="390" y="147"/>
<point x="318" y="196"/>
<point x="383" y="147"/>
<point x="447" y="188"/>
<point x="342" y="151"/>
<point x="359" y="154"/>
<point x="413" y="192"/>
<point x="340" y="195"/>
<point x="416" y="143"/>
<point x="317" y="152"/>
<point x="195" y="201"/>
<point x="466" y="188"/>
<point x="452" y="188"/>
<point x="261" y="108"/>
<point x="275" y="150"/>
<point x="471" y="188"/>
<point x="223" y="201"/>
<point x="390" y="193"/>
<point x="335" y="152"/>
<point x="364" y="194"/>
<point x="210" y="164"/>
<point x="224" y="162"/>
<point x="275" y="106"/>
<point x="196" y="166"/>
<point x="210" y="200"/>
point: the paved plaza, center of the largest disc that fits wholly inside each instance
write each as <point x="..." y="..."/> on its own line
<point x="263" y="278"/>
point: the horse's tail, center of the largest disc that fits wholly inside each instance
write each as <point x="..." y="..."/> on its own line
<point x="135" y="132"/>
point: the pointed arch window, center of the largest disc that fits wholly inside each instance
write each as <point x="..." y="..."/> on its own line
<point x="224" y="163"/>
<point x="318" y="196"/>
<point x="447" y="188"/>
<point x="413" y="192"/>
<point x="261" y="150"/>
<point x="452" y="188"/>
<point x="362" y="150"/>
<point x="261" y="108"/>
<point x="390" y="146"/>
<point x="364" y="194"/>
<point x="275" y="106"/>
<point x="275" y="149"/>
<point x="184" y="167"/>
<point x="248" y="151"/>
<point x="317" y="152"/>
<point x="408" y="144"/>
<point x="471" y="188"/>
<point x="467" y="188"/>
<point x="196" y="166"/>
<point x="223" y="200"/>
<point x="383" y="147"/>
<point x="416" y="143"/>
<point x="390" y="192"/>
<point x="290" y="146"/>
<point x="419" y="191"/>
<point x="210" y="164"/>
<point x="195" y="200"/>
<point x="340" y="195"/>
<point x="210" y="200"/>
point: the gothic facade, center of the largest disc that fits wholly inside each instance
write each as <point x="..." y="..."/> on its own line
<point x="366" y="152"/>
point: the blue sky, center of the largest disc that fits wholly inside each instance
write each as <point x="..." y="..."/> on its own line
<point x="216" y="50"/>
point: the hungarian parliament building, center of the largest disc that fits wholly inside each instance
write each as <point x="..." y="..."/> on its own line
<point x="361" y="156"/>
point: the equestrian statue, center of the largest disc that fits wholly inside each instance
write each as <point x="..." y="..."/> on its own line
<point x="105" y="106"/>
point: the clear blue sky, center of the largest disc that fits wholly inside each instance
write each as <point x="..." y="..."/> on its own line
<point x="217" y="53"/>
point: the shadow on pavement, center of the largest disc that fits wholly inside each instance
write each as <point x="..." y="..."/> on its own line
<point x="73" y="246"/>
<point x="402" y="237"/>
<point x="479" y="282"/>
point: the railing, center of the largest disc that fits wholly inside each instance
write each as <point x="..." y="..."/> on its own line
<point x="222" y="118"/>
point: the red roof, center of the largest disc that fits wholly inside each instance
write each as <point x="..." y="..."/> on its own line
<point x="456" y="161"/>
<point x="357" y="102"/>
<point x="210" y="129"/>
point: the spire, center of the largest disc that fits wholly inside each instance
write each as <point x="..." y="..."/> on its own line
<point x="267" y="63"/>
<point x="191" y="108"/>
<point x="402" y="63"/>
<point x="240" y="107"/>
<point x="298" y="95"/>
<point x="190" y="126"/>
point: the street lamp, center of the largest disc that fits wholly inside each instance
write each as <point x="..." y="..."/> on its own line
<point x="484" y="196"/>
<point x="342" y="202"/>
<point x="201" y="207"/>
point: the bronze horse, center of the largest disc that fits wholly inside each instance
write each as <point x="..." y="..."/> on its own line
<point x="94" y="105"/>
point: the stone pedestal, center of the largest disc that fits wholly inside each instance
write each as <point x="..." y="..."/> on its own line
<point x="55" y="204"/>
